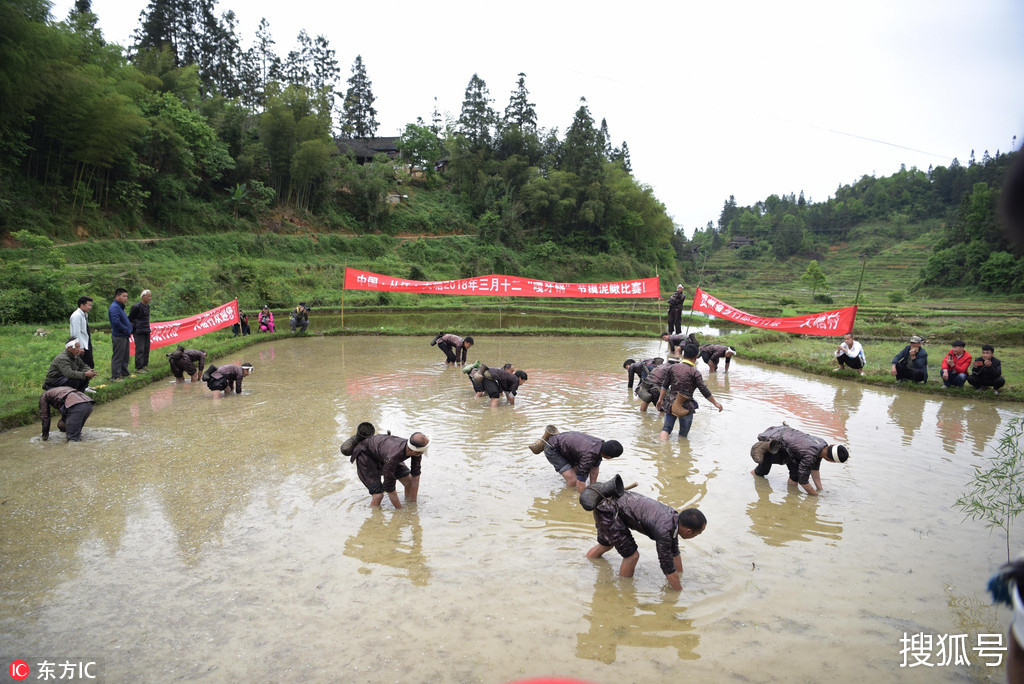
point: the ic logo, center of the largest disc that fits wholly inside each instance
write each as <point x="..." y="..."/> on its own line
<point x="18" y="670"/>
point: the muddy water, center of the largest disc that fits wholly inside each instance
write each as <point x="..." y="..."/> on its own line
<point x="508" y="319"/>
<point x="206" y="538"/>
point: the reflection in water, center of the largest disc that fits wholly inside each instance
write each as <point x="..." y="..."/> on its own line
<point x="793" y="518"/>
<point x="982" y="421"/>
<point x="617" y="617"/>
<point x="907" y="411"/>
<point x="950" y="420"/>
<point x="395" y="541"/>
<point x="812" y="413"/>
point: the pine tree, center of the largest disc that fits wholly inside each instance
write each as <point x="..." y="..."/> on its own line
<point x="520" y="111"/>
<point x="477" y="118"/>
<point x="325" y="74"/>
<point x="358" y="117"/>
<point x="581" y="152"/>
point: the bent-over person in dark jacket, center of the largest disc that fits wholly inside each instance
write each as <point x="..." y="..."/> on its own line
<point x="639" y="369"/>
<point x="187" y="362"/>
<point x="379" y="464"/>
<point x="615" y="517"/>
<point x="497" y="381"/>
<point x="577" y="455"/>
<point x="74" y="406"/>
<point x="455" y="348"/>
<point x="713" y="353"/>
<point x="227" y="378"/>
<point x="801" y="453"/>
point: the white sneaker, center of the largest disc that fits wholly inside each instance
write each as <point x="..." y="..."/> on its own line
<point x="835" y="370"/>
<point x="995" y="391"/>
<point x="862" y="373"/>
<point x="90" y="390"/>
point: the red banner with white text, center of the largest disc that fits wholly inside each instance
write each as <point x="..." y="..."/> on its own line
<point x="500" y="286"/>
<point x="826" y="323"/>
<point x="173" y="332"/>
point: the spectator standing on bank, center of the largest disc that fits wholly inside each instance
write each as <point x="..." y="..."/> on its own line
<point x="120" y="331"/>
<point x="80" y="329"/>
<point x="675" y="310"/>
<point x="139" y="318"/>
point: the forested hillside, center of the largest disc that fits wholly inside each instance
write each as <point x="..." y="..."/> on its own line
<point x="194" y="130"/>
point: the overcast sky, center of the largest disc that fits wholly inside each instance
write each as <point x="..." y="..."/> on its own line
<point x="744" y="98"/>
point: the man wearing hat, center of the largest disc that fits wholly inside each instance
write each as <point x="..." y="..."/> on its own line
<point x="379" y="464"/>
<point x="955" y="365"/>
<point x="912" y="362"/>
<point x="713" y="353"/>
<point x="300" y="317"/>
<point x="575" y="455"/>
<point x="227" y="378"/>
<point x="798" y="451"/>
<point x="675" y="310"/>
<point x="615" y="517"/>
<point x="68" y="369"/>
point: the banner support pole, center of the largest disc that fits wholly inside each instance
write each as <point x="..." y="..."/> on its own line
<point x="344" y="278"/>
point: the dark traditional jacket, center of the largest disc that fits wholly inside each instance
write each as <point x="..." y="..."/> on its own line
<point x="801" y="449"/>
<point x="639" y="370"/>
<point x="380" y="456"/>
<point x="581" y="450"/>
<point x="507" y="382"/>
<point x="650" y="517"/>
<point x="231" y="373"/>
<point x="675" y="302"/>
<point x="683" y="377"/>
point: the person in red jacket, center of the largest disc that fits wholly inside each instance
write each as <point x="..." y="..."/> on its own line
<point x="955" y="365"/>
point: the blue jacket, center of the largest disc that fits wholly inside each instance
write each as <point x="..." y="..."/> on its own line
<point x="120" y="326"/>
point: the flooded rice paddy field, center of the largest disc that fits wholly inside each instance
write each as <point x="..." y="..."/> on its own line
<point x="206" y="538"/>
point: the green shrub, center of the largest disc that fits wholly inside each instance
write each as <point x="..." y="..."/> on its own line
<point x="897" y="297"/>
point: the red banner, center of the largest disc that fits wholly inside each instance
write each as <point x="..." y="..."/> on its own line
<point x="173" y="332"/>
<point x="826" y="323"/>
<point x="500" y="286"/>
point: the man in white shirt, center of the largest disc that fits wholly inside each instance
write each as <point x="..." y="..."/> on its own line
<point x="849" y="353"/>
<point x="80" y="328"/>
